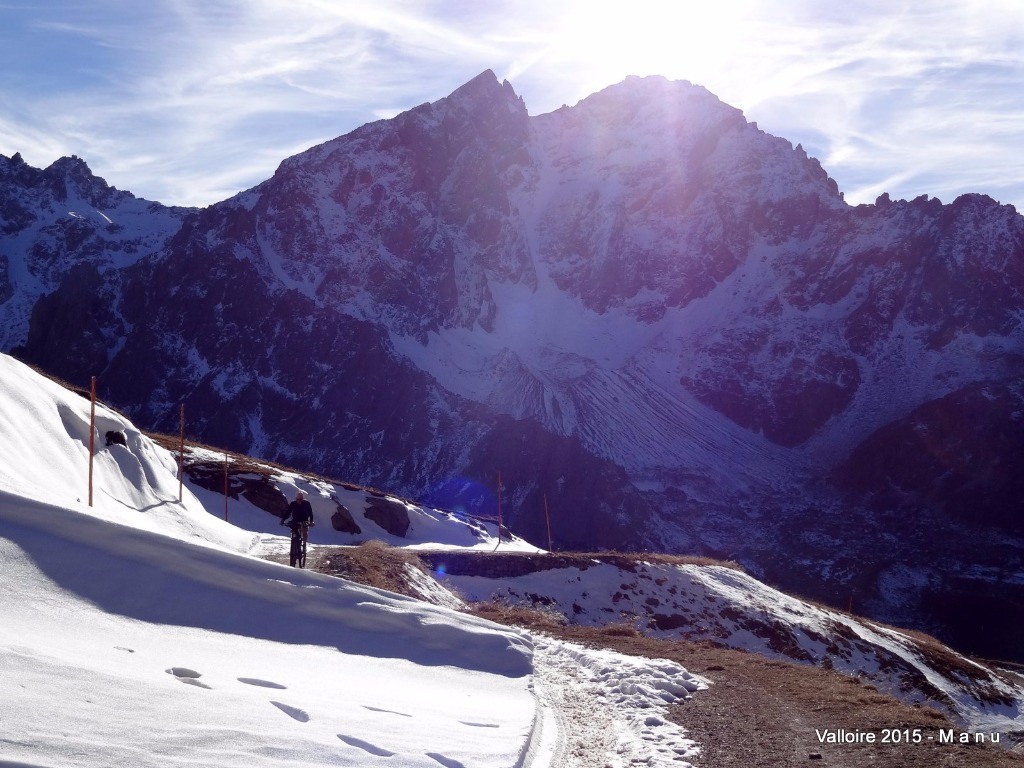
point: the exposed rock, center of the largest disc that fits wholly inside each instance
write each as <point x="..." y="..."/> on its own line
<point x="208" y="475"/>
<point x="78" y="319"/>
<point x="6" y="288"/>
<point x="390" y="515"/>
<point x="343" y="521"/>
<point x="261" y="492"/>
<point x="114" y="437"/>
<point x="255" y="487"/>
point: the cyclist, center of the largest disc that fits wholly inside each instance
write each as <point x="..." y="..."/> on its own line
<point x="301" y="514"/>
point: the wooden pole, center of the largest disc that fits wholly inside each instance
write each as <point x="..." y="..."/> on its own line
<point x="225" y="487"/>
<point x="547" y="519"/>
<point x="499" y="513"/>
<point x="92" y="431"/>
<point x="181" y="453"/>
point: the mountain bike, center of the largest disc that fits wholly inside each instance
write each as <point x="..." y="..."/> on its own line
<point x="297" y="553"/>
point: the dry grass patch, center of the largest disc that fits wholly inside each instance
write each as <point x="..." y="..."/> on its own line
<point x="536" y="619"/>
<point x="372" y="563"/>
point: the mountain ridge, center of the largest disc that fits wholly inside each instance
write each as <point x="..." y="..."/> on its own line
<point x="645" y="282"/>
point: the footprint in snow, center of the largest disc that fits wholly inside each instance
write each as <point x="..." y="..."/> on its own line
<point x="262" y="683"/>
<point x="366" y="746"/>
<point x="293" y="712"/>
<point x="388" y="711"/>
<point x="184" y="672"/>
<point x="479" y="725"/>
<point x="122" y="648"/>
<point x="187" y="676"/>
<point x="447" y="762"/>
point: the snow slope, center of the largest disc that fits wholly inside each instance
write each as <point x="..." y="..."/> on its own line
<point x="44" y="455"/>
<point x="136" y="631"/>
<point x="280" y="666"/>
<point x="731" y="609"/>
<point x="143" y="632"/>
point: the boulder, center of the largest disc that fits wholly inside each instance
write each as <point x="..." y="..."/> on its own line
<point x="343" y="521"/>
<point x="390" y="515"/>
<point x="117" y="437"/>
<point x="262" y="493"/>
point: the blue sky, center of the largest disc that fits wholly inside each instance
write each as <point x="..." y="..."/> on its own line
<point x="190" y="101"/>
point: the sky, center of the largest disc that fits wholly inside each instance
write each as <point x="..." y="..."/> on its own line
<point x="189" y="101"/>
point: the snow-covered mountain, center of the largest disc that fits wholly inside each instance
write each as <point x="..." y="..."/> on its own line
<point x="642" y="307"/>
<point x="63" y="223"/>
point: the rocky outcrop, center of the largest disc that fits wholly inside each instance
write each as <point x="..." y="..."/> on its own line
<point x="343" y="521"/>
<point x="261" y="492"/>
<point x="389" y="514"/>
<point x="255" y="487"/>
<point x="963" y="452"/>
<point x="115" y="437"/>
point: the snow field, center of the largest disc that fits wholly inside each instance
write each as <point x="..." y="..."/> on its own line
<point x="143" y="632"/>
<point x="84" y="687"/>
<point x="44" y="454"/>
<point x="140" y="632"/>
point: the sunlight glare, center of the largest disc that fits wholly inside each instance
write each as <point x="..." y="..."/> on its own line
<point x="687" y="40"/>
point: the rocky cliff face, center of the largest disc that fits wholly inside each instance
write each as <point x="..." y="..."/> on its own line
<point x="64" y="218"/>
<point x="643" y="307"/>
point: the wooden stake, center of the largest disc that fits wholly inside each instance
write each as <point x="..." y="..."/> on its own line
<point x="499" y="513"/>
<point x="92" y="431"/>
<point x="225" y="487"/>
<point x="547" y="518"/>
<point x="181" y="453"/>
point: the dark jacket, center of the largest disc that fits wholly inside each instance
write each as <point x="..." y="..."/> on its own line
<point x="300" y="512"/>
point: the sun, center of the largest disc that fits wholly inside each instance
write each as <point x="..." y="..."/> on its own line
<point x="680" y="40"/>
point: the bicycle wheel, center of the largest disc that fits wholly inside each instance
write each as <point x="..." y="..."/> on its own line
<point x="302" y="554"/>
<point x="296" y="550"/>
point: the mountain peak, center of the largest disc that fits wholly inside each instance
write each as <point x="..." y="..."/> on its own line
<point x="484" y="89"/>
<point x="72" y="173"/>
<point x="71" y="165"/>
<point x="674" y="97"/>
<point x="15" y="167"/>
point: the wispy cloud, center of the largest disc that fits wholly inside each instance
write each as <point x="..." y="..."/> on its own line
<point x="921" y="102"/>
<point x="188" y="101"/>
